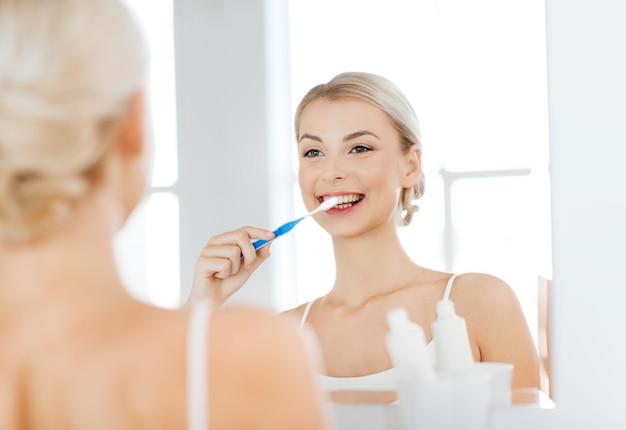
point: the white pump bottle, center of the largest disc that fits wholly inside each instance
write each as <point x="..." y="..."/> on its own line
<point x="407" y="349"/>
<point x="454" y="353"/>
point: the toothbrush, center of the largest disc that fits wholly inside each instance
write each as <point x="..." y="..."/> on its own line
<point x="287" y="227"/>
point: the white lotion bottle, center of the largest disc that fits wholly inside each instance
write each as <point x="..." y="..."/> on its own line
<point x="413" y="366"/>
<point x="452" y="345"/>
<point x="406" y="344"/>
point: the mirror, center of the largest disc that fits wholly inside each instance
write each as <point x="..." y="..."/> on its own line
<point x="475" y="72"/>
<point x="586" y="95"/>
<point x="583" y="256"/>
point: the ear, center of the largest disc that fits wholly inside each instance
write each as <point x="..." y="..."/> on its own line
<point x="132" y="156"/>
<point x="412" y="166"/>
<point x="131" y="138"/>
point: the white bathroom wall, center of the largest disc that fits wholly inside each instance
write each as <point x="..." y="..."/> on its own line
<point x="587" y="106"/>
<point x="227" y="131"/>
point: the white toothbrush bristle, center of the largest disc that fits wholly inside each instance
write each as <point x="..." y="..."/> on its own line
<point x="327" y="204"/>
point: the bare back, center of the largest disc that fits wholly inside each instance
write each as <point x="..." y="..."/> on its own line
<point x="124" y="367"/>
<point x="105" y="371"/>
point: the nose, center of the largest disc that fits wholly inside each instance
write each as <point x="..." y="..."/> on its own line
<point x="332" y="178"/>
<point x="333" y="172"/>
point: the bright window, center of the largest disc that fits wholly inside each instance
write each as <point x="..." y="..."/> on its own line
<point x="148" y="246"/>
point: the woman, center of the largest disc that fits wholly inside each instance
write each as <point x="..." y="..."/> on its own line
<point x="76" y="350"/>
<point x="358" y="138"/>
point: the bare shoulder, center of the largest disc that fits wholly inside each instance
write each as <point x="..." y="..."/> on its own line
<point x="497" y="324"/>
<point x="484" y="299"/>
<point x="253" y="352"/>
<point x="481" y="290"/>
<point x="240" y="331"/>
<point x="236" y="333"/>
<point x="250" y="321"/>
<point x="295" y="314"/>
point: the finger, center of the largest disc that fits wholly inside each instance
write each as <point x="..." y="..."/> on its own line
<point x="264" y="252"/>
<point x="243" y="251"/>
<point x="241" y="235"/>
<point x="243" y="238"/>
<point x="248" y="252"/>
<point x="222" y="259"/>
<point x="261" y="255"/>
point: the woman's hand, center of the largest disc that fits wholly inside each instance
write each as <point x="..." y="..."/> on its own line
<point x="226" y="263"/>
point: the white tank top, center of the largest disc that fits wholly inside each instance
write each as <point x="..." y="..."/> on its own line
<point x="197" y="365"/>
<point x="380" y="381"/>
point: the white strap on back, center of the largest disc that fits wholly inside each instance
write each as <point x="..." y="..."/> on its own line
<point x="197" y="366"/>
<point x="305" y="314"/>
<point x="446" y="294"/>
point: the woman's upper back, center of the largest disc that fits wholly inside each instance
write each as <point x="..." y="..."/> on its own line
<point x="118" y="369"/>
<point x="126" y="369"/>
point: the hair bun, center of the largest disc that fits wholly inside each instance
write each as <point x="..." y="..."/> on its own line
<point x="31" y="203"/>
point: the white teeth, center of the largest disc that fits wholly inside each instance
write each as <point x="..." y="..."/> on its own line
<point x="346" y="200"/>
<point x="349" y="198"/>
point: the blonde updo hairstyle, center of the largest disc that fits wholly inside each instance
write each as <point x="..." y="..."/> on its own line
<point x="68" y="71"/>
<point x="386" y="96"/>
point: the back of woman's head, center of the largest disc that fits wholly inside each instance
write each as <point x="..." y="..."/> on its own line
<point x="386" y="96"/>
<point x="68" y="70"/>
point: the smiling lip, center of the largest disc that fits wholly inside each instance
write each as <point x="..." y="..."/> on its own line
<point x="346" y="200"/>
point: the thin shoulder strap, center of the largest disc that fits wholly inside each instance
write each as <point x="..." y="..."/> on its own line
<point x="446" y="294"/>
<point x="305" y="314"/>
<point x="197" y="366"/>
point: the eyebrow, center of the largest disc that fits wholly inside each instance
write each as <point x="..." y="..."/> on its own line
<point x="357" y="134"/>
<point x="346" y="138"/>
<point x="310" y="136"/>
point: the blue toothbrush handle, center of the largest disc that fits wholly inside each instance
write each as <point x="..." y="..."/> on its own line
<point x="285" y="228"/>
<point x="260" y="243"/>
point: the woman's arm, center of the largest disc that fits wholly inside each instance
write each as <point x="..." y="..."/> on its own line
<point x="497" y="325"/>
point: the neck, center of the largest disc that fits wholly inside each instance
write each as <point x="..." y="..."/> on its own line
<point x="370" y="265"/>
<point x="75" y="263"/>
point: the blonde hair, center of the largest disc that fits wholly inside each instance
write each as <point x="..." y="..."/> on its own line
<point x="385" y="95"/>
<point x="68" y="71"/>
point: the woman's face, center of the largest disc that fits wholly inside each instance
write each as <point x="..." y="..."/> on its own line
<point x="350" y="148"/>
